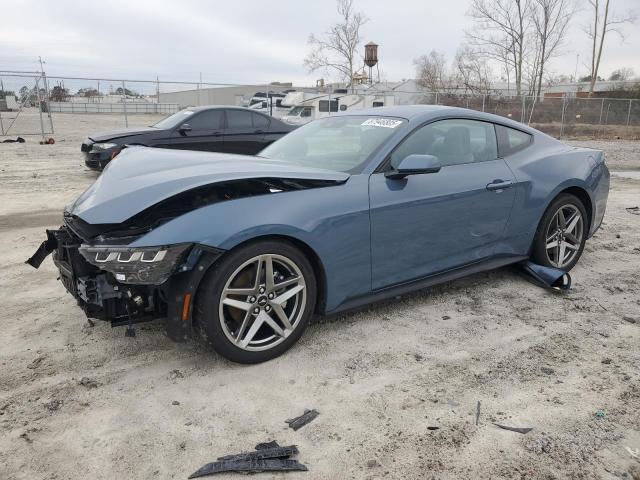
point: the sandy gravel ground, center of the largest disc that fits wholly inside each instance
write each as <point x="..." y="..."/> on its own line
<point x="397" y="385"/>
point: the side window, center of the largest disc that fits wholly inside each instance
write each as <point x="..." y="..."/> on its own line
<point x="306" y="112"/>
<point x="512" y="140"/>
<point x="238" y="119"/>
<point x="452" y="141"/>
<point x="207" y="120"/>
<point x="260" y="121"/>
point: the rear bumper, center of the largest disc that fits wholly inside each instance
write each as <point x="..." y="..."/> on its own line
<point x="102" y="297"/>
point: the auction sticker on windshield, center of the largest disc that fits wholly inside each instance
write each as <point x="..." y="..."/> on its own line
<point x="382" y="122"/>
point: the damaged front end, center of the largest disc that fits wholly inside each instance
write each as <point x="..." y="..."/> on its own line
<point x="125" y="285"/>
<point x="122" y="251"/>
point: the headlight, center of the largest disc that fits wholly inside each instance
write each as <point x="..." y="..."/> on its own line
<point x="99" y="147"/>
<point x="145" y="265"/>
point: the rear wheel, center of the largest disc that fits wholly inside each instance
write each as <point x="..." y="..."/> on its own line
<point x="256" y="303"/>
<point x="562" y="233"/>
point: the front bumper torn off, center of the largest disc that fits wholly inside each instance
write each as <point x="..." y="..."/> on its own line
<point x="102" y="297"/>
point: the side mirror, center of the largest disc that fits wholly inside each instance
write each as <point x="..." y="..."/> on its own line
<point x="415" y="165"/>
<point x="185" y="127"/>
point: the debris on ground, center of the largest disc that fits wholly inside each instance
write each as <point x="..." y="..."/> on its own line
<point x="264" y="453"/>
<point x="17" y="140"/>
<point x="433" y="428"/>
<point x="522" y="430"/>
<point x="547" y="370"/>
<point x="299" y="422"/>
<point x="633" y="210"/>
<point x="629" y="319"/>
<point x="267" y="457"/>
<point x="546" y="277"/>
<point x="478" y="412"/>
<point x="599" y="414"/>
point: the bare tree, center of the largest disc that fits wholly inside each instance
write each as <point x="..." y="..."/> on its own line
<point x="501" y="32"/>
<point x="431" y="71"/>
<point x="603" y="22"/>
<point x="550" y="21"/>
<point x="337" y="48"/>
<point x="622" y="74"/>
<point x="472" y="70"/>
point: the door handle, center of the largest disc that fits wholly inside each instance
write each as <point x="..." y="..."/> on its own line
<point x="499" y="185"/>
<point x="259" y="131"/>
<point x="216" y="134"/>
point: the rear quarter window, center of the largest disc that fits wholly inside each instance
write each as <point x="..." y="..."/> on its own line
<point x="511" y="140"/>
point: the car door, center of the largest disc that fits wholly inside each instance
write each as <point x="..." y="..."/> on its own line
<point x="202" y="131"/>
<point x="428" y="223"/>
<point x="245" y="131"/>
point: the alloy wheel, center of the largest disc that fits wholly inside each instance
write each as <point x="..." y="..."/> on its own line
<point x="262" y="302"/>
<point x="564" y="235"/>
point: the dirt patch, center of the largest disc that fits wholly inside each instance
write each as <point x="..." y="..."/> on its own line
<point x="29" y="219"/>
<point x="397" y="384"/>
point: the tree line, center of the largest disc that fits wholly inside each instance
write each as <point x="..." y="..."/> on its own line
<point x="519" y="37"/>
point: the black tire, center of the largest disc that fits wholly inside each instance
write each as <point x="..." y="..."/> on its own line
<point x="209" y="296"/>
<point x="539" y="251"/>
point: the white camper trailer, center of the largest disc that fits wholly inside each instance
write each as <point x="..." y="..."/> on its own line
<point x="325" y="105"/>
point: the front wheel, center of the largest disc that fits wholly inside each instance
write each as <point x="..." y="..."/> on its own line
<point x="562" y="233"/>
<point x="256" y="303"/>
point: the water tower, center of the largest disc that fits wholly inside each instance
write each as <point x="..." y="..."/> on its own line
<point x="371" y="58"/>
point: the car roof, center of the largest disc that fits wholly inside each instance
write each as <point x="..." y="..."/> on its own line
<point x="421" y="113"/>
<point x="213" y="107"/>
<point x="403" y="111"/>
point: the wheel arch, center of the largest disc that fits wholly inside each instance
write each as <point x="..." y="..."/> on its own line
<point x="581" y="193"/>
<point x="583" y="196"/>
<point x="307" y="250"/>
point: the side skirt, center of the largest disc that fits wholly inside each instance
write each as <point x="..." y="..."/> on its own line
<point x="442" y="277"/>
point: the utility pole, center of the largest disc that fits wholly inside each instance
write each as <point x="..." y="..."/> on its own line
<point x="575" y="75"/>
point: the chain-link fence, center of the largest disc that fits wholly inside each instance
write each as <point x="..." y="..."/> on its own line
<point x="29" y="101"/>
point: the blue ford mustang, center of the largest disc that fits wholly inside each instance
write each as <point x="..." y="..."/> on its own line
<point x="341" y="212"/>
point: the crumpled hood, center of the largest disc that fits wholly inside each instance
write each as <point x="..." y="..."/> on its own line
<point x="124" y="132"/>
<point x="140" y="177"/>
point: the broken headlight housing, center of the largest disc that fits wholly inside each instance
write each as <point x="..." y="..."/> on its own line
<point x="143" y="265"/>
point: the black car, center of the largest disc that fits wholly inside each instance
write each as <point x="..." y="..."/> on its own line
<point x="212" y="129"/>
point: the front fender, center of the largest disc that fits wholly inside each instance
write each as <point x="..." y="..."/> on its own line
<point x="331" y="221"/>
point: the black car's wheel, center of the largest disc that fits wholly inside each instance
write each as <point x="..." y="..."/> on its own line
<point x="257" y="301"/>
<point x="562" y="233"/>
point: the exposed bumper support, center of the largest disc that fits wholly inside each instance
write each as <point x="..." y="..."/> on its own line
<point x="101" y="296"/>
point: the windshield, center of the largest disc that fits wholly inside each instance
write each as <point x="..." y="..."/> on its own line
<point x="342" y="143"/>
<point x="295" y="111"/>
<point x="174" y="120"/>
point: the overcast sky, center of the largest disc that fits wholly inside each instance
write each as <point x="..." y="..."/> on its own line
<point x="249" y="41"/>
